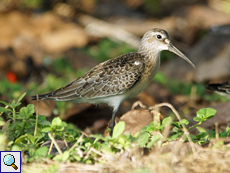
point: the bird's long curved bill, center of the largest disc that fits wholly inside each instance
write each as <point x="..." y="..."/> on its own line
<point x="180" y="54"/>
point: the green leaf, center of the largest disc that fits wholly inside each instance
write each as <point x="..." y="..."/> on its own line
<point x="227" y="129"/>
<point x="52" y="169"/>
<point x="106" y="149"/>
<point x="13" y="104"/>
<point x="129" y="137"/>
<point x="47" y="129"/>
<point x="42" y="120"/>
<point x="25" y="137"/>
<point x="167" y="121"/>
<point x="56" y="122"/>
<point x="27" y="111"/>
<point x="122" y="140"/>
<point x="149" y="128"/>
<point x="64" y="124"/>
<point x="142" y="138"/>
<point x="206" y="113"/>
<point x="118" y="129"/>
<point x="200" y="129"/>
<point x="202" y="136"/>
<point x="42" y="151"/>
<point x="4" y="103"/>
<point x="197" y="119"/>
<point x="154" y="139"/>
<point x="2" y="123"/>
<point x="178" y="124"/>
<point x="21" y="97"/>
<point x="78" y="158"/>
<point x="57" y="158"/>
<point x="5" y="128"/>
<point x="174" y="136"/>
<point x="88" y="161"/>
<point x="32" y="139"/>
<point x="59" y="129"/>
<point x="2" y="109"/>
<point x="15" y="148"/>
<point x="185" y="122"/>
<point x="65" y="156"/>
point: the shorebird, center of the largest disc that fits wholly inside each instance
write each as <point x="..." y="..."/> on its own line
<point x="121" y="78"/>
<point x="220" y="88"/>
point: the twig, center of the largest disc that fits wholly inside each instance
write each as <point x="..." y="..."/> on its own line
<point x="36" y="123"/>
<point x="66" y="144"/>
<point x="83" y="133"/>
<point x="179" y="118"/>
<point x="55" y="143"/>
<point x="51" y="146"/>
<point x="79" y="140"/>
<point x="217" y="130"/>
<point x="138" y="103"/>
<point x="99" y="28"/>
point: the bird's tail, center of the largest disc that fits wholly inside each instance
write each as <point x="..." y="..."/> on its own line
<point x="42" y="96"/>
<point x="213" y="87"/>
<point x="222" y="87"/>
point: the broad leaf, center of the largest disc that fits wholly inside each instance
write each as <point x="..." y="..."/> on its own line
<point x="27" y="111"/>
<point x="56" y="122"/>
<point x="154" y="139"/>
<point x="118" y="129"/>
<point x="42" y="151"/>
<point x="142" y="138"/>
<point x="205" y="113"/>
<point x="47" y="129"/>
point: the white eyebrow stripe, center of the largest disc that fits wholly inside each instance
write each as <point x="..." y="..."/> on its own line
<point x="157" y="33"/>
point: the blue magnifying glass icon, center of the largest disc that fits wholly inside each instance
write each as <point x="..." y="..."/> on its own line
<point x="9" y="160"/>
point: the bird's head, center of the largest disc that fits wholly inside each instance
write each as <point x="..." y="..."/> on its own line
<point x="156" y="40"/>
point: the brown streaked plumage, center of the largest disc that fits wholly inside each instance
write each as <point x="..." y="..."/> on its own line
<point x="121" y="78"/>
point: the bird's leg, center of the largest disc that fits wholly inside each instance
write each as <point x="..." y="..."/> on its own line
<point x="112" y="123"/>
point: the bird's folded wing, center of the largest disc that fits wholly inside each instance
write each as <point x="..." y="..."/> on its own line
<point x="112" y="77"/>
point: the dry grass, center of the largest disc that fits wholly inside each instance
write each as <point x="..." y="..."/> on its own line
<point x="174" y="157"/>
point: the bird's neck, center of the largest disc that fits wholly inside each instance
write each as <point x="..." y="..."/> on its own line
<point x="152" y="62"/>
<point x="150" y="55"/>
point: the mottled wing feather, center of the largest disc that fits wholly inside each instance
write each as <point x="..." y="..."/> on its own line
<point x="112" y="77"/>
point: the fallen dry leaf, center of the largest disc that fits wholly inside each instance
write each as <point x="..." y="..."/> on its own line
<point x="45" y="107"/>
<point x="135" y="120"/>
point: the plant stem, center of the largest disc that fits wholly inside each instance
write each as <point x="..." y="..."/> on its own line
<point x="186" y="133"/>
<point x="195" y="125"/>
<point x="36" y="123"/>
<point x="55" y="143"/>
<point x="14" y="114"/>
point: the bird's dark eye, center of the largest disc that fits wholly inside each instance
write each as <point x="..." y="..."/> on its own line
<point x="159" y="36"/>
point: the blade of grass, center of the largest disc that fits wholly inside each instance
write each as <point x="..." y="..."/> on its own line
<point x="36" y="123"/>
